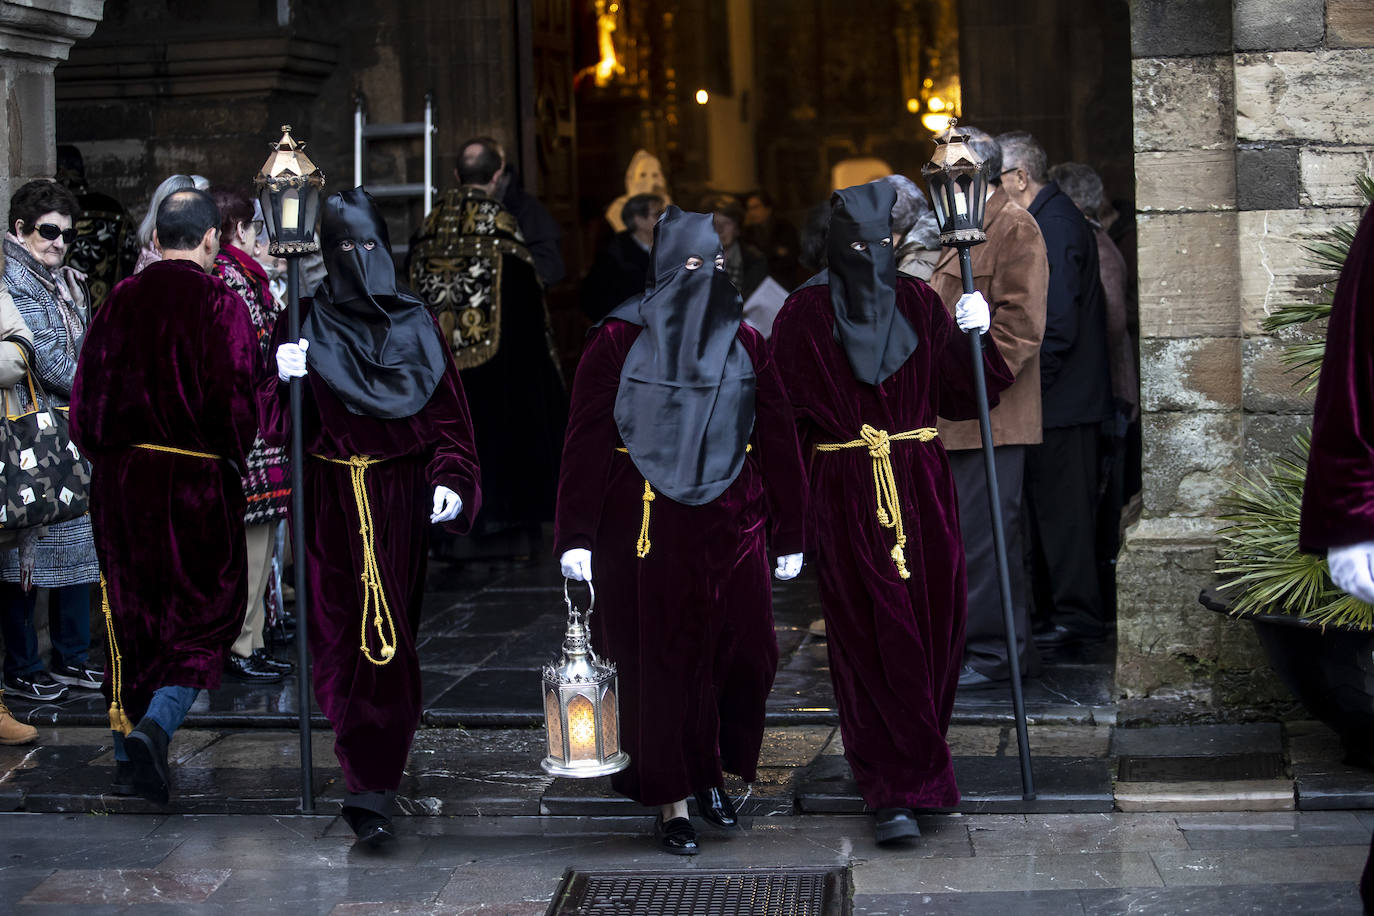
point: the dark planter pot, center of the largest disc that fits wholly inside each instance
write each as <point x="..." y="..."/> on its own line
<point x="1329" y="669"/>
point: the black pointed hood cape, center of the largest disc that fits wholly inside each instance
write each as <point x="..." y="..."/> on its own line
<point x="685" y="407"/>
<point x="372" y="341"/>
<point x="876" y="337"/>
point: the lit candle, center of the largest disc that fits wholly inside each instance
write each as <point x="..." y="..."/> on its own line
<point x="582" y="729"/>
<point x="960" y="203"/>
<point x="290" y="212"/>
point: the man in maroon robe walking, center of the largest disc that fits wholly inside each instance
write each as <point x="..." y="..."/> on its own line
<point x="869" y="359"/>
<point x="385" y="426"/>
<point x="1338" y="498"/>
<point x="163" y="407"/>
<point x="680" y="475"/>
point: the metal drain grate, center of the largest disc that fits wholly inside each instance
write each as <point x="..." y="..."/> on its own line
<point x="701" y="892"/>
<point x="1200" y="769"/>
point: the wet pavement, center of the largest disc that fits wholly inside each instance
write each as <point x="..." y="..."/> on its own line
<point x="1261" y="817"/>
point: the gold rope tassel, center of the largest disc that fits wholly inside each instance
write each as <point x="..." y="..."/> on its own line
<point x="375" y="606"/>
<point x="119" y="721"/>
<point x="888" y="500"/>
<point x="642" y="545"/>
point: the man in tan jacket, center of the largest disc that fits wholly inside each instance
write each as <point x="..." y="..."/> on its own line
<point x="1012" y="271"/>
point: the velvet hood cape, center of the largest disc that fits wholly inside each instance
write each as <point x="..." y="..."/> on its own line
<point x="372" y="342"/>
<point x="876" y="337"/>
<point x="685" y="406"/>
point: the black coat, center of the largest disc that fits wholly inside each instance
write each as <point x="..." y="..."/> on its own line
<point x="621" y="271"/>
<point x="1075" y="379"/>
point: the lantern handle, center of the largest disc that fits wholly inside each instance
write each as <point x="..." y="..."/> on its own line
<point x="567" y="599"/>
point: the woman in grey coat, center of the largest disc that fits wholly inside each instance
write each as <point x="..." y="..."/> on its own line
<point x="52" y="300"/>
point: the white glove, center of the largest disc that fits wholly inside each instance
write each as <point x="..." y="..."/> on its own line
<point x="577" y="564"/>
<point x="1352" y="569"/>
<point x="447" y="505"/>
<point x="971" y="311"/>
<point x="788" y="566"/>
<point x="291" y="360"/>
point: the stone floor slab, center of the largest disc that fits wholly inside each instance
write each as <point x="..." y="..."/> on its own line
<point x="1005" y="903"/>
<point x="1222" y="795"/>
<point x="1280" y="829"/>
<point x="1006" y="873"/>
<point x="1197" y="740"/>
<point x="1332" y="898"/>
<point x="1261" y="866"/>
<point x="319" y="891"/>
<point x="1031" y="834"/>
<point x="127" y="887"/>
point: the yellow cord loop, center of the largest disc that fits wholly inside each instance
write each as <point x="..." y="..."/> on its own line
<point x="119" y="721"/>
<point x="174" y="451"/>
<point x="888" y="500"/>
<point x="642" y="545"/>
<point x="376" y="610"/>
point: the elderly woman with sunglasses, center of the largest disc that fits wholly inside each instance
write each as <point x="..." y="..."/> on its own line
<point x="52" y="299"/>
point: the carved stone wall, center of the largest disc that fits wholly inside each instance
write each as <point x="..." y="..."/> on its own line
<point x="1252" y="120"/>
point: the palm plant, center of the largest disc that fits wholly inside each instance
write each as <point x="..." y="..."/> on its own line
<point x="1259" y="547"/>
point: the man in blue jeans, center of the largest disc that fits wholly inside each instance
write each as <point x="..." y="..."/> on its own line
<point x="163" y="406"/>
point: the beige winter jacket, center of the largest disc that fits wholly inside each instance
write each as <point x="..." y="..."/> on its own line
<point x="12" y="365"/>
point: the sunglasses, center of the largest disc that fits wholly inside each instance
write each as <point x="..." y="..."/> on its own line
<point x="51" y="232"/>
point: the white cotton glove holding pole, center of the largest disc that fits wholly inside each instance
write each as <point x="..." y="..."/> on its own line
<point x="447" y="505"/>
<point x="577" y="564"/>
<point x="1352" y="569"/>
<point x="788" y="566"/>
<point x="971" y="311"/>
<point x="291" y="360"/>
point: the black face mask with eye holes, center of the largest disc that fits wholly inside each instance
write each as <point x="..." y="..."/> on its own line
<point x="876" y="337"/>
<point x="372" y="341"/>
<point x="685" y="405"/>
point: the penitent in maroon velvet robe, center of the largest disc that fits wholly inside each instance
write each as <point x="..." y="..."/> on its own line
<point x="1338" y="499"/>
<point x="170" y="359"/>
<point x="896" y="645"/>
<point x="374" y="709"/>
<point x="689" y="626"/>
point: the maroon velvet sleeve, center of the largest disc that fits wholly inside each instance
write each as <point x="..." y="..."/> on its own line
<point x="233" y="364"/>
<point x="591" y="438"/>
<point x="775" y="440"/>
<point x="1338" y="499"/>
<point x="454" y="463"/>
<point x="274" y="395"/>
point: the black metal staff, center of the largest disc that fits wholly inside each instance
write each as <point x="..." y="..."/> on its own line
<point x="958" y="189"/>
<point x="289" y="188"/>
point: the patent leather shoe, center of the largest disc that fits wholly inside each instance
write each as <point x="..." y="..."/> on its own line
<point x="894" y="825"/>
<point x="269" y="663"/>
<point x="716" y="807"/>
<point x="372" y="829"/>
<point x="248" y="669"/>
<point x="677" y="836"/>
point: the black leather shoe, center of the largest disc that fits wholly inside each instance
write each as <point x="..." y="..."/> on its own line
<point x="894" y="825"/>
<point x="971" y="678"/>
<point x="147" y="748"/>
<point x="1059" y="636"/>
<point x="715" y="806"/>
<point x="372" y="830"/>
<point x="677" y="836"/>
<point x="269" y="663"/>
<point x="123" y="782"/>
<point x="248" y="669"/>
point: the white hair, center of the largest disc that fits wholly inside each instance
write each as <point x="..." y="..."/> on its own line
<point x="169" y="186"/>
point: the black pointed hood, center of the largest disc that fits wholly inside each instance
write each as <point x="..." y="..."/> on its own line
<point x="372" y="340"/>
<point x="876" y="337"/>
<point x="685" y="407"/>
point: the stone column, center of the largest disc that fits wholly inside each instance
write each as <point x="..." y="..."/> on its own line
<point x="1251" y="121"/>
<point x="34" y="36"/>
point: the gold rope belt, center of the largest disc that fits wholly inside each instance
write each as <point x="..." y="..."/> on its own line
<point x="174" y="451"/>
<point x="374" y="595"/>
<point x="119" y="721"/>
<point x="879" y="445"/>
<point x="643" y="544"/>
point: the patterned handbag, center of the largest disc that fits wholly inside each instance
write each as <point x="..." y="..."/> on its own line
<point x="43" y="477"/>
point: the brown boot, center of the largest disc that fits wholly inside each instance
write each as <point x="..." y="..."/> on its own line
<point x="12" y="731"/>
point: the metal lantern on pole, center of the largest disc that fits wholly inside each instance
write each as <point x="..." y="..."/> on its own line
<point x="581" y="704"/>
<point x="289" y="188"/>
<point x="958" y="191"/>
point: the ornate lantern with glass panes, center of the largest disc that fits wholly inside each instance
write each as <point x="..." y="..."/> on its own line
<point x="580" y="704"/>
<point x="958" y="188"/>
<point x="289" y="188"/>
